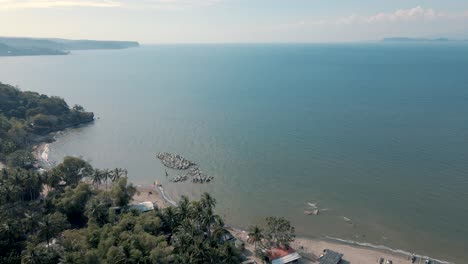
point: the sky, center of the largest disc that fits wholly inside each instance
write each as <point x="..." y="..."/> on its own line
<point x="234" y="21"/>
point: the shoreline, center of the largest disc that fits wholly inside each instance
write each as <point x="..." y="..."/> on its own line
<point x="308" y="248"/>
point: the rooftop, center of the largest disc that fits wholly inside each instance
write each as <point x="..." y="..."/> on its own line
<point x="280" y="255"/>
<point x="331" y="257"/>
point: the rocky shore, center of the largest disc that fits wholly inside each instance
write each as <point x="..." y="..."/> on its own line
<point x="177" y="162"/>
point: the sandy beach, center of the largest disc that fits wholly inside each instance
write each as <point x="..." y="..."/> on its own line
<point x="41" y="153"/>
<point x="308" y="248"/>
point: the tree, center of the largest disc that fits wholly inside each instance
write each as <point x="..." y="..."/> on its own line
<point x="31" y="255"/>
<point x="255" y="235"/>
<point x="97" y="177"/>
<point x="183" y="208"/>
<point x="229" y="254"/>
<point x="72" y="203"/>
<point x="278" y="231"/>
<point x="207" y="201"/>
<point x="72" y="170"/>
<point x="51" y="225"/>
<point x="116" y="255"/>
<point x="117" y="173"/>
<point x="97" y="210"/>
<point x="39" y="254"/>
<point x="122" y="193"/>
<point x="21" y="159"/>
<point x="78" y="108"/>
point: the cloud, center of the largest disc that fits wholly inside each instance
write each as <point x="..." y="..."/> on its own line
<point x="28" y="4"/>
<point x="415" y="14"/>
<point x="171" y="4"/>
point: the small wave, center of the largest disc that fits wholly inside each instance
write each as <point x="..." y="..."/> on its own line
<point x="313" y="205"/>
<point x="346" y="219"/>
<point x="165" y="196"/>
<point x="382" y="247"/>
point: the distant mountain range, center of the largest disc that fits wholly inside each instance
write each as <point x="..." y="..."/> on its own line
<point x="10" y="46"/>
<point x="404" y="39"/>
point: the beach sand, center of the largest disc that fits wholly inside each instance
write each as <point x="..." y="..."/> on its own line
<point x="310" y="249"/>
<point x="41" y="153"/>
<point x="148" y="194"/>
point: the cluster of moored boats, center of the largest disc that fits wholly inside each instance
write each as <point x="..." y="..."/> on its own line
<point x="178" y="162"/>
<point x="179" y="178"/>
<point x="174" y="161"/>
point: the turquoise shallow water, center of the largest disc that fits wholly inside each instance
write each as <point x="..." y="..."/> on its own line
<point x="376" y="133"/>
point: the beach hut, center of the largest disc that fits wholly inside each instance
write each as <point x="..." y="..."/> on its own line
<point x="282" y="255"/>
<point x="331" y="257"/>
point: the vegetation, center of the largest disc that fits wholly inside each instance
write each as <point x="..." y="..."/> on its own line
<point x="76" y="222"/>
<point x="74" y="213"/>
<point x="25" y="117"/>
<point x="275" y="232"/>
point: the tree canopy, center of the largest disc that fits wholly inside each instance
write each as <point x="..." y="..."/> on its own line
<point x="76" y="222"/>
<point x="26" y="115"/>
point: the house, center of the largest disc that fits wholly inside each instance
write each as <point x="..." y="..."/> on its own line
<point x="330" y="257"/>
<point x="282" y="255"/>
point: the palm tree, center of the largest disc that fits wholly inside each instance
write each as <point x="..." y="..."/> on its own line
<point x="183" y="209"/>
<point x="207" y="201"/>
<point x="169" y="218"/>
<point x="10" y="230"/>
<point x="30" y="255"/>
<point x="51" y="225"/>
<point x="117" y="173"/>
<point x="31" y="221"/>
<point x="229" y="254"/>
<point x="97" y="177"/>
<point x="106" y="174"/>
<point x="255" y="235"/>
<point x="207" y="220"/>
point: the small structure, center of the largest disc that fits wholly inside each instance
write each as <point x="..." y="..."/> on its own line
<point x="331" y="257"/>
<point x="227" y="237"/>
<point x="143" y="207"/>
<point x="282" y="255"/>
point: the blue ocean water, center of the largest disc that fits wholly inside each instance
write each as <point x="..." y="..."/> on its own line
<point x="375" y="133"/>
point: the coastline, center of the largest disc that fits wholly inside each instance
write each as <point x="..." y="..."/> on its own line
<point x="308" y="248"/>
<point x="41" y="154"/>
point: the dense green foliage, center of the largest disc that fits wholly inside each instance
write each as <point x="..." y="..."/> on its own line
<point x="77" y="222"/>
<point x="26" y="115"/>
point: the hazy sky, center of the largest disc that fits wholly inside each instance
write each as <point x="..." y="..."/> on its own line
<point x="182" y="21"/>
